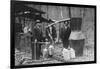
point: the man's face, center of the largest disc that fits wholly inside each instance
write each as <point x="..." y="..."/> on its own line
<point x="66" y="24"/>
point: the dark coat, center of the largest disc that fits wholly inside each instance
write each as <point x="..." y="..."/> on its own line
<point x="64" y="35"/>
<point x="38" y="34"/>
<point x="53" y="34"/>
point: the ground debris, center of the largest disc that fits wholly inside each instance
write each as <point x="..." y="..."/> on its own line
<point x="25" y="58"/>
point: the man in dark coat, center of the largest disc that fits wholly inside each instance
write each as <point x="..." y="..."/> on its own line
<point x="37" y="35"/>
<point x="64" y="34"/>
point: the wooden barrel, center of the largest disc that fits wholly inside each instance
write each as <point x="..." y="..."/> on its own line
<point x="77" y="38"/>
<point x="77" y="42"/>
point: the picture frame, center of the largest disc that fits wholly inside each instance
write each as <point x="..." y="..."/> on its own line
<point x="58" y="12"/>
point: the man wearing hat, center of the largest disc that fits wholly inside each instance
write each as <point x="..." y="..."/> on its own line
<point x="65" y="33"/>
<point x="37" y="35"/>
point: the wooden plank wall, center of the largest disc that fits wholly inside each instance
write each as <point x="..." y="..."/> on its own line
<point x="88" y="25"/>
<point x="62" y="12"/>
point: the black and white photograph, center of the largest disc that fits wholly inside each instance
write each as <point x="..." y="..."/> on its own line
<point x="52" y="34"/>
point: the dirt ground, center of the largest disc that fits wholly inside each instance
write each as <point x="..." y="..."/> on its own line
<point x="25" y="58"/>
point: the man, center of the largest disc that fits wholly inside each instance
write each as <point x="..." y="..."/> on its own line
<point x="65" y="33"/>
<point x="37" y="34"/>
<point x="51" y="33"/>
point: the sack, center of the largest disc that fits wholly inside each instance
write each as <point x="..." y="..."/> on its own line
<point x="66" y="54"/>
<point x="51" y="50"/>
<point x="72" y="53"/>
